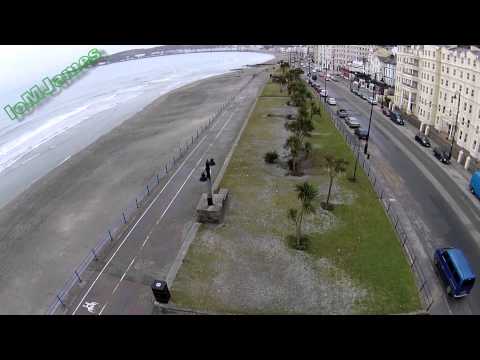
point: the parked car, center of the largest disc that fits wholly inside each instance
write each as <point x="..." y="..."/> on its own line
<point x="353" y="90"/>
<point x="331" y="101"/>
<point x="386" y="111"/>
<point x="422" y="139"/>
<point x="361" y="133"/>
<point x="342" y="113"/>
<point x="324" y="93"/>
<point x="455" y="271"/>
<point x="352" y="122"/>
<point x="372" y="101"/>
<point x="396" y="118"/>
<point x="442" y="154"/>
<point x="364" y="97"/>
<point x="475" y="184"/>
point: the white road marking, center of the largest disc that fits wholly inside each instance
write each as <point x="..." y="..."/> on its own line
<point x="90" y="306"/>
<point x="135" y="225"/>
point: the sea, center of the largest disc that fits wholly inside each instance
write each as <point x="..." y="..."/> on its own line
<point x="99" y="100"/>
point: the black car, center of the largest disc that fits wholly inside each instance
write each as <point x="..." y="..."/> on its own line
<point x="342" y="113"/>
<point x="442" y="154"/>
<point x="396" y="118"/>
<point x="361" y="133"/>
<point x="422" y="139"/>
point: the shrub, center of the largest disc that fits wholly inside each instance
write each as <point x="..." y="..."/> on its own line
<point x="270" y="157"/>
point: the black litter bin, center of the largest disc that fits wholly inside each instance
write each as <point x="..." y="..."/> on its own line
<point x="161" y="292"/>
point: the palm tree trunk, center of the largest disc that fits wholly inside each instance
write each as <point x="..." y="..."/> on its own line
<point x="299" y="228"/>
<point x="329" y="190"/>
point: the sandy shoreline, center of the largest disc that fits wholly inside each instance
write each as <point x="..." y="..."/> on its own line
<point x="50" y="227"/>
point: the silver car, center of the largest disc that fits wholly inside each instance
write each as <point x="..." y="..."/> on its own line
<point x="352" y="122"/>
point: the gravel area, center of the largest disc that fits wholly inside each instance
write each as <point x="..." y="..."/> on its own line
<point x="251" y="268"/>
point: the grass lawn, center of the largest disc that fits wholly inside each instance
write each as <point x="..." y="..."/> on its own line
<point x="245" y="264"/>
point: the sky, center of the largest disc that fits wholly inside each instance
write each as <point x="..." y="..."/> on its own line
<point x="22" y="66"/>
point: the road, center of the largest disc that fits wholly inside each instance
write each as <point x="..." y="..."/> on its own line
<point x="121" y="282"/>
<point x="440" y="211"/>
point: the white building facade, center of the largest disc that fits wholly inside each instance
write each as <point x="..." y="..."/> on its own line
<point x="337" y="57"/>
<point x="432" y="82"/>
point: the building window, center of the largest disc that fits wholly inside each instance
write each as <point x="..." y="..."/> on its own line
<point x="468" y="124"/>
<point x="474" y="145"/>
<point x="470" y="109"/>
<point x="466" y="136"/>
<point x="446" y="82"/>
<point x="454" y="72"/>
<point x="464" y="106"/>
<point x="460" y="88"/>
<point x="448" y="70"/>
<point x="472" y="92"/>
<point x="468" y="75"/>
<point x="431" y="91"/>
<point x="442" y="81"/>
<point x="476" y="130"/>
<point x="473" y="77"/>
<point x="453" y="85"/>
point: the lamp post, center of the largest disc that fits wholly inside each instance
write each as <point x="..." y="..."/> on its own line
<point x="365" y="150"/>
<point x="456" y="121"/>
<point x="206" y="176"/>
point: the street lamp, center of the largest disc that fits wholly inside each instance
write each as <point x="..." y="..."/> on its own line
<point x="206" y="176"/>
<point x="456" y="121"/>
<point x="365" y="150"/>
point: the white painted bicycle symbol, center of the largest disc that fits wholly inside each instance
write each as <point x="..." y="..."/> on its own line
<point x="90" y="306"/>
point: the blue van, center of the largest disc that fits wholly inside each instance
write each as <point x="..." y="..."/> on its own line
<point x="455" y="271"/>
<point x="475" y="184"/>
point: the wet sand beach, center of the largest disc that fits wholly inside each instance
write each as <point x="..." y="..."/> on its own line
<point x="47" y="230"/>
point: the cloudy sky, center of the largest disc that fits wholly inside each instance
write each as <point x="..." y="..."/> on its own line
<point x="22" y="66"/>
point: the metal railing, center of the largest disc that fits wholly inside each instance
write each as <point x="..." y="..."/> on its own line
<point x="118" y="228"/>
<point x="391" y="209"/>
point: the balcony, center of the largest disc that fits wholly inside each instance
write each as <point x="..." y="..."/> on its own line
<point x="410" y="72"/>
<point x="411" y="85"/>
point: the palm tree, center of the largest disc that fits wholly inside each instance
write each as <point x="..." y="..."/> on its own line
<point x="314" y="109"/>
<point x="295" y="146"/>
<point x="306" y="193"/>
<point x="308" y="149"/>
<point x="335" y="166"/>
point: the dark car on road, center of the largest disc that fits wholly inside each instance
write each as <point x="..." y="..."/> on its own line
<point x="422" y="139"/>
<point x="442" y="154"/>
<point x="455" y="271"/>
<point x="386" y="111"/>
<point x="342" y="113"/>
<point x="361" y="133"/>
<point x="396" y="118"/>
